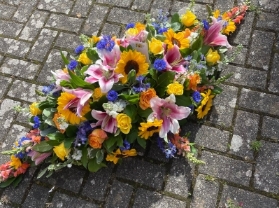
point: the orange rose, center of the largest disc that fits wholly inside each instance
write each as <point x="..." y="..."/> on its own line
<point x="145" y="98"/>
<point x="96" y="138"/>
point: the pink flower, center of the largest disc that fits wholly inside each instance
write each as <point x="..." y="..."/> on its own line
<point x="107" y="122"/>
<point x="38" y="157"/>
<point x="169" y="112"/>
<point x="60" y="75"/>
<point x="102" y="74"/>
<point x="174" y="60"/>
<point x="5" y="174"/>
<point x="213" y="36"/>
<point x="110" y="58"/>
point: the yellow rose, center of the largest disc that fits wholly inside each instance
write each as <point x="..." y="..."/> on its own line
<point x="124" y="123"/>
<point x="212" y="57"/>
<point x="188" y="19"/>
<point x="175" y="88"/>
<point x="156" y="46"/>
<point x="145" y="98"/>
<point x="83" y="58"/>
<point x="230" y="28"/>
<point x="61" y="151"/>
<point x="97" y="94"/>
<point x="96" y="138"/>
<point x="34" y="110"/>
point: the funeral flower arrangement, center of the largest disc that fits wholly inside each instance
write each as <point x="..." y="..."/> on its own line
<point x="116" y="92"/>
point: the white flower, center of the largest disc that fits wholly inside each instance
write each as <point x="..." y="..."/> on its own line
<point x="77" y="154"/>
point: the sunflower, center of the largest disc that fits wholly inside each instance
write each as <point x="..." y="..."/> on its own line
<point x="148" y="129"/>
<point x="178" y="39"/>
<point x="69" y="113"/>
<point x="131" y="60"/>
<point x="203" y="109"/>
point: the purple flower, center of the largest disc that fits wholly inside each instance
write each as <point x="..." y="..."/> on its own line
<point x="112" y="95"/>
<point x="140" y="86"/>
<point x="36" y="122"/>
<point x="205" y="24"/>
<point x="79" y="49"/>
<point x="72" y="65"/>
<point x="196" y="96"/>
<point x="160" y="64"/>
<point x="106" y="43"/>
<point x="126" y="145"/>
<point x="162" y="30"/>
<point x="83" y="130"/>
<point x="130" y="25"/>
<point x="47" y="89"/>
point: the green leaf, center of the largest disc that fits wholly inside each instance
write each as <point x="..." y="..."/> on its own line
<point x="17" y="180"/>
<point x="175" y="26"/>
<point x="119" y="140"/>
<point x="142" y="142"/>
<point x="151" y="31"/>
<point x="109" y="143"/>
<point x="198" y="43"/>
<point x="71" y="131"/>
<point x="56" y="136"/>
<point x="131" y="111"/>
<point x="42" y="172"/>
<point x="131" y="77"/>
<point x="144" y="113"/>
<point x="93" y="166"/>
<point x="183" y="100"/>
<point x="78" y="82"/>
<point x="163" y="81"/>
<point x="217" y="90"/>
<point x="42" y="147"/>
<point x="100" y="156"/>
<point x="48" y="131"/>
<point x="175" y="18"/>
<point x="92" y="54"/>
<point x="53" y="143"/>
<point x="66" y="84"/>
<point x="133" y="135"/>
<point x="185" y="52"/>
<point x="84" y="157"/>
<point x="68" y="142"/>
<point x="49" y="121"/>
<point x="153" y="74"/>
<point x="7" y="182"/>
<point x="118" y="87"/>
<point x="65" y="60"/>
<point x="133" y="99"/>
<point x="84" y="69"/>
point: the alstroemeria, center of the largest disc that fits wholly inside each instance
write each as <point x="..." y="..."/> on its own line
<point x="213" y="36"/>
<point x="174" y="60"/>
<point x="103" y="74"/>
<point x="110" y="58"/>
<point x="108" y="123"/>
<point x="38" y="157"/>
<point x="169" y="112"/>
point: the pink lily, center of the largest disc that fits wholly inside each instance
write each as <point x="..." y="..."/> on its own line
<point x="60" y="75"/>
<point x="102" y="74"/>
<point x="38" y="157"/>
<point x="174" y="60"/>
<point x="213" y="36"/>
<point x="107" y="122"/>
<point x="141" y="36"/>
<point x="169" y="112"/>
<point x="82" y="96"/>
<point x="110" y="58"/>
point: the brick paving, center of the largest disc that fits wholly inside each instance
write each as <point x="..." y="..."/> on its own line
<point x="32" y="32"/>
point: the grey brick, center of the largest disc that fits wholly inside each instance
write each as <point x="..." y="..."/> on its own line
<point x="14" y="47"/>
<point x="81" y="8"/>
<point x="246" y="77"/>
<point x="92" y="25"/>
<point x="61" y="6"/>
<point x="223" y="5"/>
<point x="209" y="137"/>
<point x="24" y="10"/>
<point x="141" y="171"/>
<point x="64" y="23"/>
<point x="226" y="168"/>
<point x="205" y="1"/>
<point x="23" y="116"/>
<point x="247" y="198"/>
<point x="274" y="79"/>
<point x="121" y="3"/>
<point x="141" y="5"/>
<point x="179" y="7"/>
<point x="9" y="28"/>
<point x="6" y="11"/>
<point x="37" y="197"/>
<point x="150" y="199"/>
<point x="120" y="195"/>
<point x="125" y="16"/>
<point x="205" y="193"/>
<point x="157" y="154"/>
<point x="261" y="49"/>
<point x="245" y="132"/>
<point x="200" y="11"/>
<point x="259" y="101"/>
<point x="33" y="26"/>
<point x="110" y="29"/>
<point x="270" y="128"/>
<point x="268" y="21"/>
<point x="266" y="171"/>
<point x="4" y="83"/>
<point x="11" y="2"/>
<point x="16" y="67"/>
<point x="238" y="58"/>
<point x="63" y="200"/>
<point x="269" y="5"/>
<point x="69" y="41"/>
<point x="163" y="5"/>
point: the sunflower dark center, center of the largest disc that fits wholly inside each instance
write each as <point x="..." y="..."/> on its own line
<point x="175" y="41"/>
<point x="130" y="65"/>
<point x="152" y="128"/>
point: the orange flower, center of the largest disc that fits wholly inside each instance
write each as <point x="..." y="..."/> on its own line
<point x="22" y="169"/>
<point x="194" y="80"/>
<point x="96" y="138"/>
<point x="36" y="139"/>
<point x="145" y="98"/>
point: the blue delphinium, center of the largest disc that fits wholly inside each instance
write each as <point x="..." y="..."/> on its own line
<point x="196" y="96"/>
<point x="126" y="145"/>
<point x="160" y="23"/>
<point x="205" y="24"/>
<point x="130" y="25"/>
<point x="72" y="65"/>
<point x="140" y="86"/>
<point x="112" y="95"/>
<point x="106" y="43"/>
<point x="82" y="134"/>
<point x="169" y="151"/>
<point x="36" y="120"/>
<point x="47" y="89"/>
<point x="79" y="49"/>
<point x="160" y="64"/>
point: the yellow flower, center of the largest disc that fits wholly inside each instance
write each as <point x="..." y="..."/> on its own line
<point x="83" y="58"/>
<point x="230" y="28"/>
<point x="216" y="13"/>
<point x="114" y="156"/>
<point x="149" y="128"/>
<point x="34" y="110"/>
<point x="97" y="94"/>
<point x="156" y="46"/>
<point x="204" y="108"/>
<point x="145" y="98"/>
<point x="131" y="60"/>
<point x="188" y="19"/>
<point x="124" y="123"/>
<point x="175" y="88"/>
<point x="61" y="151"/>
<point x="129" y="153"/>
<point x="140" y="26"/>
<point x="194" y="80"/>
<point x="132" y="32"/>
<point x="212" y="57"/>
<point x="178" y="39"/>
<point x="94" y="39"/>
<point x="15" y="162"/>
<point x="205" y="96"/>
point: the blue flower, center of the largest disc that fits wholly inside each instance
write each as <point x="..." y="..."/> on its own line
<point x="47" y="89"/>
<point x="112" y="95"/>
<point x="170" y="151"/>
<point x="72" y="65"/>
<point x="22" y="139"/>
<point x="196" y="96"/>
<point x="36" y="120"/>
<point x="160" y="64"/>
<point x="205" y="24"/>
<point x="140" y="86"/>
<point x="20" y="155"/>
<point x="130" y="25"/>
<point x="126" y="145"/>
<point x="162" y="30"/>
<point x="79" y="49"/>
<point x="82" y="134"/>
<point x="105" y="43"/>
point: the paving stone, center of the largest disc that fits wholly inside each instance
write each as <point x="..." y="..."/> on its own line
<point x="181" y="7"/>
<point x="238" y="58"/>
<point x="274" y="80"/>
<point x="205" y="193"/>
<point x="6" y="11"/>
<point x="64" y="23"/>
<point x="261" y="49"/>
<point x="96" y="185"/>
<point x="157" y="5"/>
<point x="266" y="171"/>
<point x="268" y="21"/>
<point x="209" y="137"/>
<point x="245" y="132"/>
<point x="67" y="178"/>
<point x="156" y="153"/>
<point x="14" y="47"/>
<point x="24" y="10"/>
<point x="223" y="107"/>
<point x="246" y="198"/>
<point x="270" y="128"/>
<point x="226" y="168"/>
<point x="37" y="197"/>
<point x="12" y="2"/>
<point x="23" y="116"/>
<point x="121" y="3"/>
<point x="25" y="91"/>
<point x="9" y="28"/>
<point x="150" y="199"/>
<point x="259" y="101"/>
<point x="4" y="83"/>
<point x="63" y="200"/>
<point x="119" y="195"/>
<point x="125" y="16"/>
<point x="141" y="5"/>
<point x="33" y="26"/>
<point x="205" y="1"/>
<point x="110" y="29"/>
<point x="141" y="171"/>
<point x="245" y="76"/>
<point x="20" y="68"/>
<point x="201" y="11"/>
<point x="270" y="5"/>
<point x="81" y="8"/>
<point x="61" y="6"/>
<point x="223" y="5"/>
<point x="69" y="41"/>
<point x="276" y="44"/>
<point x="180" y="177"/>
